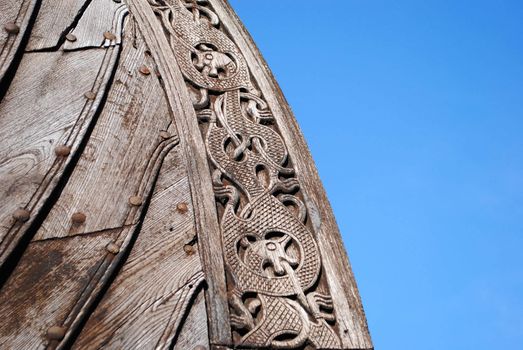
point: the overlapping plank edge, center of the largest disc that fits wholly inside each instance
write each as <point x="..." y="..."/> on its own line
<point x="15" y="17"/>
<point x="66" y="92"/>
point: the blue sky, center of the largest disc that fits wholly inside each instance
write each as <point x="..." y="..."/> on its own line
<point x="413" y="111"/>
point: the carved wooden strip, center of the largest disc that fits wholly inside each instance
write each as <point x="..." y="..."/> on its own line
<point x="194" y="330"/>
<point x="197" y="168"/>
<point x="48" y="281"/>
<point x="118" y="154"/>
<point x="97" y="26"/>
<point x="49" y="87"/>
<point x="350" y="315"/>
<point x="17" y="13"/>
<point x="146" y="302"/>
<point x="54" y="17"/>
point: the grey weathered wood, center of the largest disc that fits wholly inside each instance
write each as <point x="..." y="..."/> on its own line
<point x="48" y="91"/>
<point x="197" y="168"/>
<point x="117" y="156"/>
<point x="164" y="263"/>
<point x="19" y="13"/>
<point x="53" y="20"/>
<point x="194" y="330"/>
<point x="101" y="16"/>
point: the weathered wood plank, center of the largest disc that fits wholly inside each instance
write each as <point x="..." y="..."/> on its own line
<point x="116" y="159"/>
<point x="194" y="334"/>
<point x="99" y="25"/>
<point x="14" y="18"/>
<point x="349" y="310"/>
<point x="191" y="143"/>
<point x="53" y="20"/>
<point x="49" y="280"/>
<point x="48" y="90"/>
<point x="148" y="299"/>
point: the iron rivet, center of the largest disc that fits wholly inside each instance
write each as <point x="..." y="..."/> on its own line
<point x="12" y="28"/>
<point x="109" y="36"/>
<point x="56" y="333"/>
<point x="62" y="151"/>
<point x="117" y="1"/>
<point x="188" y="249"/>
<point x="144" y="70"/>
<point x="135" y="200"/>
<point x="70" y="37"/>
<point x="182" y="207"/>
<point x="90" y="95"/>
<point x="21" y="215"/>
<point x="112" y="248"/>
<point x="78" y="218"/>
<point x="164" y="134"/>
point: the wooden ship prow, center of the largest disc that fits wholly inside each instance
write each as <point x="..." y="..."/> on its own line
<point x="157" y="192"/>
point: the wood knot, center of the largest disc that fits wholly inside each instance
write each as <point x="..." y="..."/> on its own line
<point x="11" y="28"/>
<point x="78" y="218"/>
<point x="21" y="215"/>
<point x="56" y="333"/>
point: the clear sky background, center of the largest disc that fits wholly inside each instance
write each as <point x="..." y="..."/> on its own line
<point x="413" y="111"/>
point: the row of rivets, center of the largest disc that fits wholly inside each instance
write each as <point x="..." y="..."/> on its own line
<point x="22" y="215"/>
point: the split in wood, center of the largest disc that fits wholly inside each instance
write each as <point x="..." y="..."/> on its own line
<point x="21" y="215"/>
<point x="11" y="28"/>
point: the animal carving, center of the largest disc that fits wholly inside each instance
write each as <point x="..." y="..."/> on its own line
<point x="213" y="63"/>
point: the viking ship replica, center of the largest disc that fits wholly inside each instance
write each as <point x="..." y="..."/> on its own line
<point x="157" y="192"/>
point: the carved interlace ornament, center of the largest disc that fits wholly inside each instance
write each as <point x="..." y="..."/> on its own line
<point x="277" y="293"/>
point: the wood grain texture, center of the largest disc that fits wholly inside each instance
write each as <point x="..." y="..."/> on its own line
<point x="49" y="87"/>
<point x="49" y="280"/>
<point x="115" y="162"/>
<point x="209" y="240"/>
<point x="100" y="16"/>
<point x="347" y="303"/>
<point x="19" y="13"/>
<point x="53" y="20"/>
<point x="146" y="303"/>
<point x="194" y="330"/>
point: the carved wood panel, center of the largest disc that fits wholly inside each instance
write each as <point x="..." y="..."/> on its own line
<point x="148" y="159"/>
